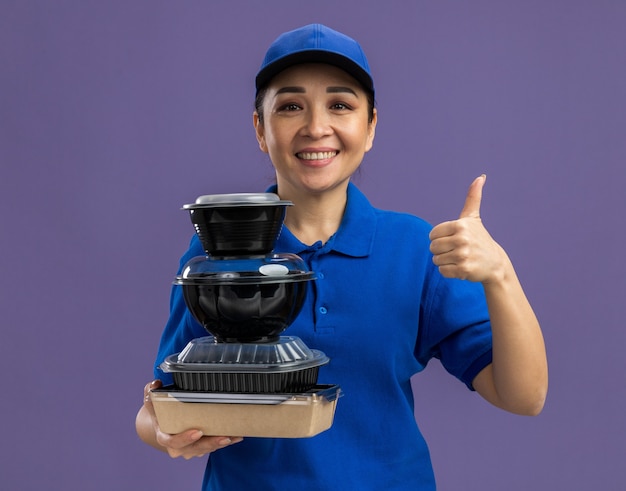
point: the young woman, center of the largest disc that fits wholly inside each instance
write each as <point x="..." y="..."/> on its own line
<point x="392" y="292"/>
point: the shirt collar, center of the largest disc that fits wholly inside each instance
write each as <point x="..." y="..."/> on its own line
<point x="355" y="236"/>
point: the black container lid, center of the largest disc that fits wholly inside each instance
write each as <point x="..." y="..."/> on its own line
<point x="236" y="200"/>
<point x="207" y="355"/>
<point x="271" y="268"/>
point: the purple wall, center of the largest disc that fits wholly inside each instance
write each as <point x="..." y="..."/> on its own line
<point x="113" y="114"/>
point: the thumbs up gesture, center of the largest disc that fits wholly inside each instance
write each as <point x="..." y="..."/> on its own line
<point x="463" y="248"/>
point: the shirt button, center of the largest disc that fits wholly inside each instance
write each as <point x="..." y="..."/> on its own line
<point x="320" y="276"/>
<point x="323" y="310"/>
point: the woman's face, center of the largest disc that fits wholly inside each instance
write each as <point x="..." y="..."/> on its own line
<point x="315" y="128"/>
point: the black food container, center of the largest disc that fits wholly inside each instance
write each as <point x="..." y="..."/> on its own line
<point x="247" y="299"/>
<point x="284" y="366"/>
<point x="238" y="224"/>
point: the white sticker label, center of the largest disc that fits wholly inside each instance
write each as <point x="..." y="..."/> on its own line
<point x="274" y="270"/>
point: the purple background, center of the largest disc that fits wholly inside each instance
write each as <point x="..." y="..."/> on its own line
<point x="115" y="113"/>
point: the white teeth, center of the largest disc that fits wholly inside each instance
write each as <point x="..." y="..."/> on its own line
<point x="316" y="155"/>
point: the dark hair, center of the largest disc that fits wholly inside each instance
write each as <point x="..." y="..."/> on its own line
<point x="260" y="97"/>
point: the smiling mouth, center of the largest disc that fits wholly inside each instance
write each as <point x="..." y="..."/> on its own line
<point x="316" y="155"/>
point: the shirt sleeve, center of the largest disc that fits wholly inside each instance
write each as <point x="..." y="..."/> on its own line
<point x="456" y="328"/>
<point x="181" y="326"/>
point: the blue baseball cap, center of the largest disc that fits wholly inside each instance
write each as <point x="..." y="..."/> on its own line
<point x="315" y="43"/>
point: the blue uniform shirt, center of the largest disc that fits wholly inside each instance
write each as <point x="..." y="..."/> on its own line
<point x="380" y="310"/>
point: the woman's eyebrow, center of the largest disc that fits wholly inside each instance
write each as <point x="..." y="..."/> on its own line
<point x="291" y="90"/>
<point x="335" y="90"/>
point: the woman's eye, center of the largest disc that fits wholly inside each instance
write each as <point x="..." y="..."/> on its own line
<point x="340" y="106"/>
<point x="290" y="107"/>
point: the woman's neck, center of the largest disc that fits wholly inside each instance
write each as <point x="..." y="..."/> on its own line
<point x="315" y="217"/>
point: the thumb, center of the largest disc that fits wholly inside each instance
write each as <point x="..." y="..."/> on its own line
<point x="471" y="208"/>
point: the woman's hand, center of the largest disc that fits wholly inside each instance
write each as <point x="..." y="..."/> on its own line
<point x="188" y="444"/>
<point x="463" y="248"/>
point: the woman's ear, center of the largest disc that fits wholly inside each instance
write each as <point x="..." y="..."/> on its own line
<point x="371" y="131"/>
<point x="259" y="129"/>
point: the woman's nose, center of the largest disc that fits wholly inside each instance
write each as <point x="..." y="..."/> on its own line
<point x="317" y="124"/>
